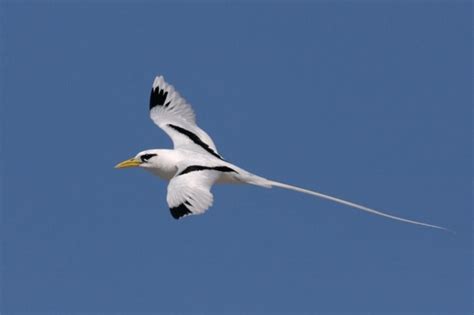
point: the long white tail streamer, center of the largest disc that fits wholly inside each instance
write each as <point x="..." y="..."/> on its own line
<point x="353" y="205"/>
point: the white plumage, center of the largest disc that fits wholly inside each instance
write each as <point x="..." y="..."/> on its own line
<point x="176" y="112"/>
<point x="194" y="165"/>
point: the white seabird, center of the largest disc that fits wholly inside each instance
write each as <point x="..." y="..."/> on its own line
<point x="194" y="165"/>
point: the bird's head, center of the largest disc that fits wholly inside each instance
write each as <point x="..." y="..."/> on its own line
<point x="146" y="159"/>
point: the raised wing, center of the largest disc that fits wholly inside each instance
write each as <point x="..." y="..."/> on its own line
<point x="189" y="192"/>
<point x="175" y="116"/>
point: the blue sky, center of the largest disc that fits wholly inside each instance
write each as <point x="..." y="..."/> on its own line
<point x="371" y="102"/>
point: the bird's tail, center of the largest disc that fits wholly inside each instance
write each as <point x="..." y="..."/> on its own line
<point x="260" y="181"/>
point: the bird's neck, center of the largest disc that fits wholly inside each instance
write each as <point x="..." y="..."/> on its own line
<point x="168" y="161"/>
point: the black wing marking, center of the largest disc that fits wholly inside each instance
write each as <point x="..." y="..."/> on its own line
<point x="180" y="211"/>
<point x="194" y="168"/>
<point x="194" y="138"/>
<point x="158" y="97"/>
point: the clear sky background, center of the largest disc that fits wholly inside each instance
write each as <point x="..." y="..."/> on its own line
<point x="367" y="101"/>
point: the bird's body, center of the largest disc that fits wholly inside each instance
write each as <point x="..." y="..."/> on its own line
<point x="180" y="159"/>
<point x="194" y="165"/>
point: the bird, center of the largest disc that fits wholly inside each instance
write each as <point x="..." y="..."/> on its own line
<point x="194" y="165"/>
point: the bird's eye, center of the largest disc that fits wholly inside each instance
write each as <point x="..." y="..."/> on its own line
<point x="146" y="157"/>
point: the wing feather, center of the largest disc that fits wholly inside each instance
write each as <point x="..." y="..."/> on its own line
<point x="176" y="117"/>
<point x="190" y="193"/>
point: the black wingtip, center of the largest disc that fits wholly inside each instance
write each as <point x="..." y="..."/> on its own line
<point x="157" y="97"/>
<point x="179" y="211"/>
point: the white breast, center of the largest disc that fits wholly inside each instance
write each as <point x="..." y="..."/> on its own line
<point x="165" y="174"/>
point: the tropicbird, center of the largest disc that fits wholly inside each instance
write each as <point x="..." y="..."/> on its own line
<point x="194" y="165"/>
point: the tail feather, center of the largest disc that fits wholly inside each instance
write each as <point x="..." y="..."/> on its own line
<point x="347" y="203"/>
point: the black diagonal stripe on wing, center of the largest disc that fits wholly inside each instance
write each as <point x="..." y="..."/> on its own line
<point x="194" y="168"/>
<point x="196" y="140"/>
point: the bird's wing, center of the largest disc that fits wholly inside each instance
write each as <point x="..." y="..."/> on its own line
<point x="175" y="116"/>
<point x="189" y="192"/>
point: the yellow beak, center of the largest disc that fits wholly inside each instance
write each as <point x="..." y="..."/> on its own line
<point x="133" y="162"/>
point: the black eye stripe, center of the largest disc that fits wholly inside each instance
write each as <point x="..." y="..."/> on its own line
<point x="146" y="157"/>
